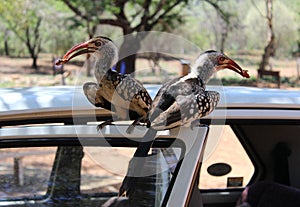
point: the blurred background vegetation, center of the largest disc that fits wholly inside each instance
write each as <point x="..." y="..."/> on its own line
<point x="40" y="31"/>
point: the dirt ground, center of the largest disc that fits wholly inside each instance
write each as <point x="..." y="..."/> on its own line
<point x="16" y="72"/>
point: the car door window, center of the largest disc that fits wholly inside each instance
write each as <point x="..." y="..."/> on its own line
<point x="103" y="168"/>
<point x="225" y="162"/>
<point x="25" y="172"/>
<point x="100" y="172"/>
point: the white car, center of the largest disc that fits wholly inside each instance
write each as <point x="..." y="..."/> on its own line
<point x="52" y="155"/>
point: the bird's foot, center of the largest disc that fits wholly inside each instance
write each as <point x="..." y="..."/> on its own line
<point x="196" y="123"/>
<point x="131" y="126"/>
<point x="130" y="129"/>
<point x="134" y="173"/>
<point x="128" y="186"/>
<point x="102" y="125"/>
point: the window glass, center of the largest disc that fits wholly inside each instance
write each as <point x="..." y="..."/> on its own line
<point x="225" y="163"/>
<point x="103" y="170"/>
<point x="100" y="171"/>
<point x="25" y="172"/>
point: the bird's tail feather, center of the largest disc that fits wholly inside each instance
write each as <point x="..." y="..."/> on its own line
<point x="136" y="163"/>
<point x="146" y="143"/>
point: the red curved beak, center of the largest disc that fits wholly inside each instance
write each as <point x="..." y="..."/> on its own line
<point x="230" y="64"/>
<point x="79" y="49"/>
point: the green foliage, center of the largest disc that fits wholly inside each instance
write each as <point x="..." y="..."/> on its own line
<point x="132" y="15"/>
<point x="247" y="29"/>
<point x="285" y="26"/>
<point x="18" y="15"/>
<point x="197" y="21"/>
<point x="25" y="22"/>
<point x="86" y="10"/>
<point x="54" y="34"/>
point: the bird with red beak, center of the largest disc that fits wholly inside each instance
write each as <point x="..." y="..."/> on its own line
<point x="181" y="101"/>
<point x="119" y="93"/>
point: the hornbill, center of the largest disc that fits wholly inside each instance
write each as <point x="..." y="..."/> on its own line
<point x="113" y="91"/>
<point x="181" y="101"/>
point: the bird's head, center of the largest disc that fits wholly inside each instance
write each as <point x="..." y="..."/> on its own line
<point x="212" y="61"/>
<point x="101" y="46"/>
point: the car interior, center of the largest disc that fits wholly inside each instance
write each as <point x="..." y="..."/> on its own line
<point x="274" y="151"/>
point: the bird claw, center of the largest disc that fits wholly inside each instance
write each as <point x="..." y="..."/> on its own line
<point x="99" y="127"/>
<point x="102" y="125"/>
<point x="130" y="129"/>
<point x="128" y="186"/>
<point x="134" y="123"/>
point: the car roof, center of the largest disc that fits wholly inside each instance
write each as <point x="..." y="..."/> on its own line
<point x="41" y="97"/>
<point x="251" y="97"/>
<point x="72" y="96"/>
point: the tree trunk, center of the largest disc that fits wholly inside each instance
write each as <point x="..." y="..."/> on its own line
<point x="298" y="68"/>
<point x="33" y="43"/>
<point x="91" y="32"/>
<point x="34" y="56"/>
<point x="223" y="38"/>
<point x="6" y="48"/>
<point x="34" y="62"/>
<point x="269" y="50"/>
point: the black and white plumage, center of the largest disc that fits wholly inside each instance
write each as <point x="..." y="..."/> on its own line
<point x="113" y="91"/>
<point x="179" y="102"/>
<point x="183" y="100"/>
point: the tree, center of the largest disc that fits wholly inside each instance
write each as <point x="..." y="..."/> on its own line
<point x="89" y="13"/>
<point x="270" y="48"/>
<point x="132" y="17"/>
<point x="285" y="25"/>
<point x="228" y="19"/>
<point x="21" y="18"/>
<point x="6" y="47"/>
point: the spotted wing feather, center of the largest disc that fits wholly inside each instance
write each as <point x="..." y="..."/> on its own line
<point x="91" y="91"/>
<point x="94" y="93"/>
<point x="132" y="93"/>
<point x="182" y="104"/>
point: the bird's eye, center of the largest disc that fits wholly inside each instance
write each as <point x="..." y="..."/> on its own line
<point x="221" y="59"/>
<point x="98" y="43"/>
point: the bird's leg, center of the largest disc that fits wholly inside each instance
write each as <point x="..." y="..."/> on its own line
<point x="105" y="123"/>
<point x="135" y="170"/>
<point x="134" y="123"/>
<point x="135" y="167"/>
<point x="108" y="122"/>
